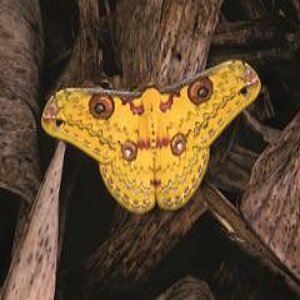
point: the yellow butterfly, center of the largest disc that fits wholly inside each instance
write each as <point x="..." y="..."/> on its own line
<point x="153" y="146"/>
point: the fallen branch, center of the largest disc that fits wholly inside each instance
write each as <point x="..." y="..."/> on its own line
<point x="33" y="270"/>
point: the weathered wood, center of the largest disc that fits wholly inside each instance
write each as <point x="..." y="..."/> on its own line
<point x="33" y="271"/>
<point x="172" y="41"/>
<point x="270" y="135"/>
<point x="296" y="4"/>
<point x="229" y="217"/>
<point x="248" y="277"/>
<point x="265" y="43"/>
<point x="263" y="57"/>
<point x="188" y="288"/>
<point x="249" y="34"/>
<point x="21" y="52"/>
<point x="251" y="9"/>
<point x="84" y="63"/>
<point x="271" y="204"/>
<point x="264" y="108"/>
<point x="238" y="230"/>
<point x="133" y="250"/>
<point x="234" y="172"/>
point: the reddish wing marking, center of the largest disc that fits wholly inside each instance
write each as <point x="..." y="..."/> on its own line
<point x="163" y="142"/>
<point x="155" y="182"/>
<point x="164" y="106"/>
<point x="137" y="110"/>
<point x="143" y="144"/>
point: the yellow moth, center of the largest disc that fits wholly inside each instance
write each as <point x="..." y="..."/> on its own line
<point x="153" y="146"/>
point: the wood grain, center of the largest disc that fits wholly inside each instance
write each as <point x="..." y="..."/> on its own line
<point x="187" y="288"/>
<point x="21" y="52"/>
<point x="172" y="41"/>
<point x="136" y="247"/>
<point x="33" y="271"/>
<point x="271" y="204"/>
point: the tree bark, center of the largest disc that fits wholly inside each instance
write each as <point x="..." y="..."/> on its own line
<point x="84" y="63"/>
<point x="135" y="248"/>
<point x="171" y="44"/>
<point x="33" y="270"/>
<point x="188" y="288"/>
<point x="21" y="52"/>
<point x="271" y="204"/>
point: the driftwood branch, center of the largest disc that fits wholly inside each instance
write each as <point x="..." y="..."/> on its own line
<point x="21" y="52"/>
<point x="158" y="53"/>
<point x="187" y="288"/>
<point x="135" y="248"/>
<point x="271" y="204"/>
<point x="237" y="228"/>
<point x="33" y="270"/>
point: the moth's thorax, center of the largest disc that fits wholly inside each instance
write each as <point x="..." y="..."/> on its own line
<point x="151" y="99"/>
<point x="152" y="129"/>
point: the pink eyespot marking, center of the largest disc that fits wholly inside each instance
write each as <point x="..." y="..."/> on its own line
<point x="129" y="151"/>
<point x="250" y="77"/>
<point x="178" y="144"/>
<point x="51" y="112"/>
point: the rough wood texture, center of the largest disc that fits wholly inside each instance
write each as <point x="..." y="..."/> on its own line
<point x="20" y="59"/>
<point x="252" y="9"/>
<point x="249" y="38"/>
<point x="135" y="248"/>
<point x="271" y="204"/>
<point x="33" y="271"/>
<point x="239" y="231"/>
<point x="158" y="51"/>
<point x="232" y="170"/>
<point x="248" y="34"/>
<point x="84" y="63"/>
<point x="229" y="217"/>
<point x="187" y="288"/>
<point x="296" y="4"/>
